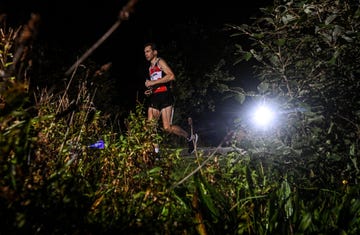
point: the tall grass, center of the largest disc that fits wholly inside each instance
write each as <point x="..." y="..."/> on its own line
<point x="52" y="182"/>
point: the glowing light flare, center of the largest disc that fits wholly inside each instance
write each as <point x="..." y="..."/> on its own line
<point x="263" y="116"/>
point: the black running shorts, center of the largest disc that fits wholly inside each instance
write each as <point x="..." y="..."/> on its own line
<point x="161" y="100"/>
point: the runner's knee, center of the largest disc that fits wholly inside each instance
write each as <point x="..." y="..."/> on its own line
<point x="168" y="129"/>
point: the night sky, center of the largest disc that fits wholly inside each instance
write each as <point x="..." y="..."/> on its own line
<point x="76" y="25"/>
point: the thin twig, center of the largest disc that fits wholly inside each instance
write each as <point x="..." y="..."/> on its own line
<point x="198" y="168"/>
<point x="124" y="15"/>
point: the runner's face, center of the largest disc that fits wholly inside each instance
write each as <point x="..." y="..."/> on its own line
<point x="149" y="53"/>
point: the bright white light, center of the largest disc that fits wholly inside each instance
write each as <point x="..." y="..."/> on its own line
<point x="263" y="116"/>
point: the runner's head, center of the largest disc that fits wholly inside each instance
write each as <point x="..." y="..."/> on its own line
<point x="150" y="51"/>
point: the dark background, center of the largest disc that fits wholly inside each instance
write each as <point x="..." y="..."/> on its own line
<point x="74" y="26"/>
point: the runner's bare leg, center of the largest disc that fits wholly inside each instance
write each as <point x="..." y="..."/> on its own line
<point x="166" y="114"/>
<point x="153" y="117"/>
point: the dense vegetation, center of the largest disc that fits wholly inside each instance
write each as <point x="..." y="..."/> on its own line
<point x="301" y="176"/>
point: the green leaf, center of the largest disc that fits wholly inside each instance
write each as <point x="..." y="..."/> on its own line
<point x="287" y="18"/>
<point x="330" y="19"/>
<point x="263" y="87"/>
<point x="240" y="98"/>
<point x="247" y="56"/>
<point x="305" y="222"/>
<point x="206" y="195"/>
<point x="280" y="42"/>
